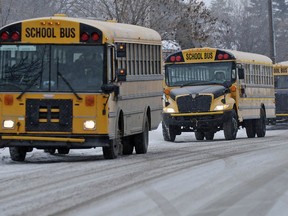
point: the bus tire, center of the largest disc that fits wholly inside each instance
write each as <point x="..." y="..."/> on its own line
<point x="199" y="135"/>
<point x="63" y="150"/>
<point x="209" y="135"/>
<point x="230" y="127"/>
<point x="168" y="133"/>
<point x="142" y="140"/>
<point x="17" y="153"/>
<point x="260" y="124"/>
<point x="50" y="151"/>
<point x="112" y="151"/>
<point x="128" y="146"/>
<point x="250" y="128"/>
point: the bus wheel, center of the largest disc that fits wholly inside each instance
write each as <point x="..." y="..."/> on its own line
<point x="127" y="145"/>
<point x="209" y="135"/>
<point x="112" y="151"/>
<point x="168" y="132"/>
<point x="17" y="153"/>
<point x="260" y="124"/>
<point x="142" y="140"/>
<point x="250" y="129"/>
<point x="50" y="150"/>
<point x="230" y="127"/>
<point x="199" y="135"/>
<point x="63" y="150"/>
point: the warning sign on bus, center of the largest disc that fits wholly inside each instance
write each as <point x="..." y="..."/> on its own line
<point x="50" y="31"/>
<point x="199" y="56"/>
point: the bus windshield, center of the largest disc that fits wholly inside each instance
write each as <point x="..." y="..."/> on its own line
<point x="281" y="82"/>
<point x="51" y="68"/>
<point x="199" y="73"/>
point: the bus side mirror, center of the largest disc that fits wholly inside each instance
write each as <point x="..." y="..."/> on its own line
<point x="241" y="73"/>
<point x="121" y="75"/>
<point x="109" y="88"/>
<point x="121" y="50"/>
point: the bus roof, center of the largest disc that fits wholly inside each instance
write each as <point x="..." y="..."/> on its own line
<point x="247" y="57"/>
<point x="113" y="31"/>
<point x="284" y="63"/>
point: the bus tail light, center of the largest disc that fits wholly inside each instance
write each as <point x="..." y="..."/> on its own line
<point x="8" y="100"/>
<point x="89" y="100"/>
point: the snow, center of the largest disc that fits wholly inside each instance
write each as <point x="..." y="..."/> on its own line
<point x="187" y="177"/>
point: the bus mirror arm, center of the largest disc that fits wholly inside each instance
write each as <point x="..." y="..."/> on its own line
<point x="241" y="73"/>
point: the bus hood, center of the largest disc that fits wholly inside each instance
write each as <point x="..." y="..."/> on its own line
<point x="217" y="91"/>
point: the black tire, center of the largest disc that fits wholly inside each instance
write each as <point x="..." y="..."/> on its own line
<point x="209" y="135"/>
<point x="142" y="140"/>
<point x="199" y="135"/>
<point x="63" y="150"/>
<point x="168" y="132"/>
<point x="128" y="145"/>
<point x="230" y="127"/>
<point x="17" y="153"/>
<point x="50" y="151"/>
<point x="250" y="128"/>
<point x="112" y="151"/>
<point x="260" y="124"/>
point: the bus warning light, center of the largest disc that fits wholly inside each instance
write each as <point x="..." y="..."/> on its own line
<point x="85" y="37"/>
<point x="178" y="58"/>
<point x="4" y="36"/>
<point x="15" y="36"/>
<point x="95" y="36"/>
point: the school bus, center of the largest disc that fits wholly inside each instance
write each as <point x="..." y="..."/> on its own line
<point x="208" y="90"/>
<point x="281" y="91"/>
<point x="70" y="83"/>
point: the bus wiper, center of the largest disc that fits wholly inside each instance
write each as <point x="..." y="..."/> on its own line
<point x="28" y="87"/>
<point x="69" y="86"/>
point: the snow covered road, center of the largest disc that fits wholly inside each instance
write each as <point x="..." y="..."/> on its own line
<point x="188" y="177"/>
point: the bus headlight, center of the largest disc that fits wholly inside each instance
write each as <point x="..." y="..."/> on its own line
<point x="89" y="125"/>
<point x="221" y="107"/>
<point x="169" y="110"/>
<point x="8" y="124"/>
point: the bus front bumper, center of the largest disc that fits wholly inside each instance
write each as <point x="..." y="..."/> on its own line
<point x="198" y="121"/>
<point x="45" y="141"/>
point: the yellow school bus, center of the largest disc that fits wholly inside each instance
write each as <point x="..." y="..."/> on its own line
<point x="71" y="83"/>
<point x="281" y="91"/>
<point x="208" y="90"/>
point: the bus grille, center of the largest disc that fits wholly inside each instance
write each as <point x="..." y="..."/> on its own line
<point x="49" y="115"/>
<point x="201" y="103"/>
